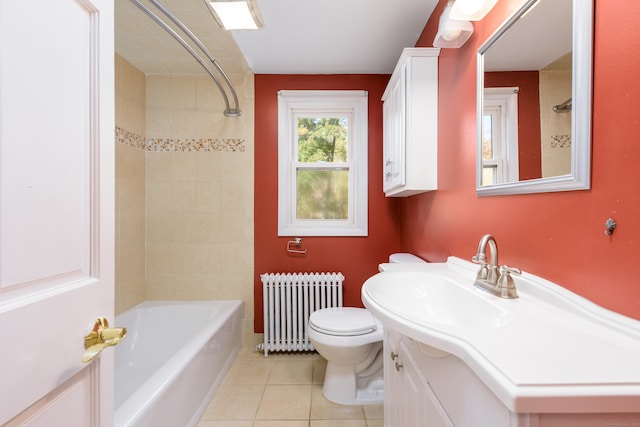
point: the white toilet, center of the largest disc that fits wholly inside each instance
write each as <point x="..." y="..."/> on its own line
<point x="350" y="339"/>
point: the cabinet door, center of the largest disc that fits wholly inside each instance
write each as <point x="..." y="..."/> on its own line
<point x="409" y="400"/>
<point x="394" y="134"/>
<point x="393" y="388"/>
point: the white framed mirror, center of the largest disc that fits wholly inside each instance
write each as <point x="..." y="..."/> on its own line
<point x="534" y="86"/>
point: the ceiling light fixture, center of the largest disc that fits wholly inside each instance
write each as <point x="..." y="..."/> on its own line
<point x="471" y="10"/>
<point x="236" y="14"/>
<point x="452" y="33"/>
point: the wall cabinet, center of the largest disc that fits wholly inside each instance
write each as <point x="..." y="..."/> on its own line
<point x="410" y="136"/>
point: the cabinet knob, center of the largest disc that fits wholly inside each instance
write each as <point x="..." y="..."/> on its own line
<point x="394" y="356"/>
<point x="388" y="162"/>
<point x="388" y="174"/>
<point x="398" y="366"/>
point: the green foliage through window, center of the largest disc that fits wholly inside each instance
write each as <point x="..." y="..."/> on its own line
<point x="322" y="139"/>
<point x="322" y="193"/>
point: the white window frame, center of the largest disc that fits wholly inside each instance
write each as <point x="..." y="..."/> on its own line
<point x="502" y="104"/>
<point x="322" y="103"/>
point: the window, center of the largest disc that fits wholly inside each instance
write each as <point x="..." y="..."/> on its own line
<point x="500" y="136"/>
<point x="322" y="163"/>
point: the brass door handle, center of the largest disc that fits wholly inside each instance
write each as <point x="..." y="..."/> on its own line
<point x="101" y="337"/>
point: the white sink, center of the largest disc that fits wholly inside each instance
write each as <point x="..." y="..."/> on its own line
<point x="549" y="350"/>
<point x="434" y="299"/>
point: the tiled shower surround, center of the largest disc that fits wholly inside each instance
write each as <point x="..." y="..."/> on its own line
<point x="184" y="191"/>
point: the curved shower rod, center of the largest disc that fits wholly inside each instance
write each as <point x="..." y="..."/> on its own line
<point x="229" y="112"/>
<point x="565" y="107"/>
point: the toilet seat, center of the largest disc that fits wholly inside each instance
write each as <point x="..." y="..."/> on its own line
<point x="343" y="321"/>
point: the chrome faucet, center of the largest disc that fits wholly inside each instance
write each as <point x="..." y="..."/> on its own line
<point x="492" y="277"/>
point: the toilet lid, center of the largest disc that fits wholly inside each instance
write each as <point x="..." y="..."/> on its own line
<point x="344" y="321"/>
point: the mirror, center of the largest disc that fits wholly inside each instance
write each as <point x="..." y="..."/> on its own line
<point x="534" y="100"/>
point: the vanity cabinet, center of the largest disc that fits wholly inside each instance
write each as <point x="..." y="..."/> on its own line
<point x="424" y="386"/>
<point x="410" y="124"/>
<point x="409" y="400"/>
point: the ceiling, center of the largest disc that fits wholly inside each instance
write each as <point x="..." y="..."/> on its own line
<point x="535" y="41"/>
<point x="299" y="37"/>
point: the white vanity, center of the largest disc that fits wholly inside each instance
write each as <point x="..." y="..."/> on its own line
<point x="456" y="355"/>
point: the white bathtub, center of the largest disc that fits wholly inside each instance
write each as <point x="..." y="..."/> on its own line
<point x="172" y="360"/>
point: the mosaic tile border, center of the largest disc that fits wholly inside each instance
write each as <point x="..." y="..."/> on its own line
<point x="163" y="144"/>
<point x="129" y="138"/>
<point x="560" y="141"/>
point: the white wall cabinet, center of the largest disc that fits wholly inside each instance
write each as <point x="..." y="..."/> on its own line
<point x="410" y="135"/>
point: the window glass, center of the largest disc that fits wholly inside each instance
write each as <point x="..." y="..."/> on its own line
<point x="322" y="194"/>
<point x="322" y="163"/>
<point x="322" y="139"/>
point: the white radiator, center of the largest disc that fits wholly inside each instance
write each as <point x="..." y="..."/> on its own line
<point x="289" y="299"/>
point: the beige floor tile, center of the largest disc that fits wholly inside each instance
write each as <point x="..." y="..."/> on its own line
<point x="281" y="423"/>
<point x="285" y="402"/>
<point x="319" y="369"/>
<point x="294" y="355"/>
<point x="249" y="353"/>
<point x="338" y="423"/>
<point x="249" y="371"/>
<point x="292" y="371"/>
<point x="234" y="403"/>
<point x="375" y="423"/>
<point x="323" y="409"/>
<point x="225" y="423"/>
<point x="373" y="411"/>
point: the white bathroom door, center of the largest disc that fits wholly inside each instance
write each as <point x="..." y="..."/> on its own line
<point x="56" y="210"/>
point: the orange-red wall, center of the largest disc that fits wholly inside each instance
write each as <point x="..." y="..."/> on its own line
<point x="559" y="236"/>
<point x="356" y="257"/>
<point x="529" y="149"/>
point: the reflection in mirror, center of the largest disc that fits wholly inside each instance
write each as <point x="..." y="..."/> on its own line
<point x="534" y="100"/>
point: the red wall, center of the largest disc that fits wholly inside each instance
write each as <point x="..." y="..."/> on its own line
<point x="356" y="257"/>
<point x="559" y="236"/>
<point x="529" y="149"/>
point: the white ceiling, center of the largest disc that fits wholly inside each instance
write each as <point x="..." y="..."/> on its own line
<point x="536" y="40"/>
<point x="299" y="37"/>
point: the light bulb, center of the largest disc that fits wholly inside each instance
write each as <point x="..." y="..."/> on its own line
<point x="451" y="34"/>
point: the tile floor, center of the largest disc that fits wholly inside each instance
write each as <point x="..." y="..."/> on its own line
<point x="282" y="390"/>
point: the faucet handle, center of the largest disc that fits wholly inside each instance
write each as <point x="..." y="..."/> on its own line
<point x="479" y="258"/>
<point x="483" y="272"/>
<point x="505" y="269"/>
<point x="506" y="285"/>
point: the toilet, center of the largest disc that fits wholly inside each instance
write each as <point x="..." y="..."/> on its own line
<point x="350" y="339"/>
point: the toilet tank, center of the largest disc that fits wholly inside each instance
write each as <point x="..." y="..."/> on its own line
<point x="405" y="258"/>
<point x="398" y="259"/>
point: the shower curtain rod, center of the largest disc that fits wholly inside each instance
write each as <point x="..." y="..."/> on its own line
<point x="229" y="112"/>
<point x="565" y="107"/>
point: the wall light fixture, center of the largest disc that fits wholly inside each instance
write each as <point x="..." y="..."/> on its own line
<point x="452" y="33"/>
<point x="471" y="10"/>
<point x="236" y="14"/>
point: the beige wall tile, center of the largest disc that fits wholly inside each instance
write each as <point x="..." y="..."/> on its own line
<point x="130" y="188"/>
<point x="185" y="219"/>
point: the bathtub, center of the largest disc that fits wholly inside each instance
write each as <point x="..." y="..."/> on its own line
<point x="172" y="360"/>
